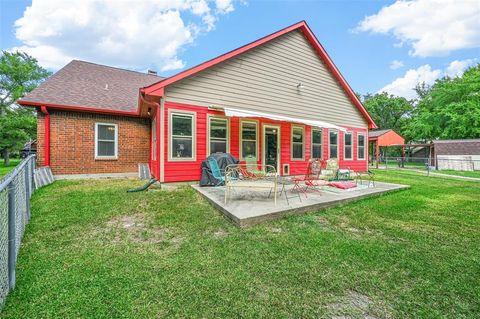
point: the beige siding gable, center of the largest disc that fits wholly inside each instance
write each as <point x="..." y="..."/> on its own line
<point x="265" y="79"/>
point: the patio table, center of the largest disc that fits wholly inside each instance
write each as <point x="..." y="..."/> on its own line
<point x="286" y="181"/>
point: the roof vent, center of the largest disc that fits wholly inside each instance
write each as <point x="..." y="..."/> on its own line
<point x="151" y="72"/>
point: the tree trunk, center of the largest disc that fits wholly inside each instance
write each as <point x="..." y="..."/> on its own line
<point x="6" y="157"/>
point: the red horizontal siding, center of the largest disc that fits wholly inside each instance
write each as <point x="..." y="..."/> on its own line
<point x="175" y="171"/>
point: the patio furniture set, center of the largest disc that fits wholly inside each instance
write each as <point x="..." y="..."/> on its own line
<point x="319" y="173"/>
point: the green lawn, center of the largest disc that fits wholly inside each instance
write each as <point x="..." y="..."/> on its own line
<point x="94" y="251"/>
<point x="5" y="169"/>
<point x="460" y="173"/>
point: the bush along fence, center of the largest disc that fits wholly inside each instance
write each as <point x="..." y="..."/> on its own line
<point x="16" y="188"/>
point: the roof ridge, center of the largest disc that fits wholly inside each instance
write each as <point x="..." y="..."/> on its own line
<point x="231" y="51"/>
<point x="117" y="68"/>
<point x="158" y="88"/>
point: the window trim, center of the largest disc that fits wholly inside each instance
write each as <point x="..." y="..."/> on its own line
<point x="115" y="141"/>
<point x="193" y="115"/>
<point x="338" y="142"/>
<point x="302" y="127"/>
<point x="364" y="145"/>
<point x="241" y="137"/>
<point x="344" y="146"/>
<point x="218" y="117"/>
<point x="321" y="142"/>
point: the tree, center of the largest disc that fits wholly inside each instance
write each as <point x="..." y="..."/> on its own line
<point x="389" y="111"/>
<point x="449" y="109"/>
<point x="19" y="74"/>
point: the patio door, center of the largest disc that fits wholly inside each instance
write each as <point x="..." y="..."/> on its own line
<point x="271" y="146"/>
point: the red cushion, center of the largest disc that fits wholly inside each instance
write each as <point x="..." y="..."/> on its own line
<point x="343" y="185"/>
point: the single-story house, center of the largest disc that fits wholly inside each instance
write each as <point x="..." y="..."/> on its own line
<point x="280" y="99"/>
<point x="461" y="155"/>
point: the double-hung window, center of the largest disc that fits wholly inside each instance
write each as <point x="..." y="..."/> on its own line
<point x="182" y="136"/>
<point x="317" y="138"/>
<point x="248" y="139"/>
<point x="106" y="140"/>
<point x="298" y="143"/>
<point x="333" y="144"/>
<point x="361" y="146"/>
<point x="348" y="146"/>
<point x="218" y="135"/>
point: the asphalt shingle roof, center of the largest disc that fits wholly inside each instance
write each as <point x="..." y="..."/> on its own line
<point x="90" y="85"/>
<point x="377" y="133"/>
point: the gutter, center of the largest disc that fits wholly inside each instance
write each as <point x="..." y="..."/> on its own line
<point x="72" y="108"/>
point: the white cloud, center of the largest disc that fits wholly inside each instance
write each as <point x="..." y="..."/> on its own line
<point x="130" y="34"/>
<point x="405" y="85"/>
<point x="224" y="6"/>
<point x="396" y="64"/>
<point x="456" y="68"/>
<point x="431" y="27"/>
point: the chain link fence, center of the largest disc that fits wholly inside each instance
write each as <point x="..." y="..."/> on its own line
<point x="427" y="164"/>
<point x="16" y="189"/>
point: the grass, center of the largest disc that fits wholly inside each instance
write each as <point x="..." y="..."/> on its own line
<point x="460" y="173"/>
<point x="94" y="251"/>
<point x="4" y="170"/>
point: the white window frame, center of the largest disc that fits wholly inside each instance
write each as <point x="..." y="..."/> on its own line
<point x="217" y="117"/>
<point x="329" y="145"/>
<point x="241" y="138"/>
<point x="193" y="115"/>
<point x="115" y="156"/>
<point x="303" y="143"/>
<point x="312" y="144"/>
<point x="364" y="146"/>
<point x="351" y="146"/>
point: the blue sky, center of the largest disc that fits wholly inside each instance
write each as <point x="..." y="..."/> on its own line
<point x="364" y="38"/>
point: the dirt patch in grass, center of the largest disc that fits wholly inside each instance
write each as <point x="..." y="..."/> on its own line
<point x="345" y="225"/>
<point x="220" y="233"/>
<point x="137" y="229"/>
<point x="276" y="230"/>
<point x="353" y="305"/>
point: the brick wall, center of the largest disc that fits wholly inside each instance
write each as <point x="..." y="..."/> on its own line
<point x="72" y="143"/>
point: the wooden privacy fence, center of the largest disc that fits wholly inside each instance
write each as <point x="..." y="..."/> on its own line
<point x="16" y="188"/>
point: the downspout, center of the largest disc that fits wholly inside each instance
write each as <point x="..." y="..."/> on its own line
<point x="158" y="118"/>
<point x="44" y="110"/>
<point x="157" y="133"/>
<point x="150" y="149"/>
<point x="161" y="137"/>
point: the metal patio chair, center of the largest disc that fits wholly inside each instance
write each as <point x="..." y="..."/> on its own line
<point x="252" y="166"/>
<point x="216" y="172"/>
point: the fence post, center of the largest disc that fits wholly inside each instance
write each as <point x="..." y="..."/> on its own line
<point x="27" y="191"/>
<point x="32" y="178"/>
<point x="11" y="235"/>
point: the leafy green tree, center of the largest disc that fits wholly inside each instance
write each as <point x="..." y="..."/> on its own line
<point x="449" y="109"/>
<point x="389" y="111"/>
<point x="19" y="74"/>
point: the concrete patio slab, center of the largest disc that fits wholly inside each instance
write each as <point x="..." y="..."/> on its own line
<point x="248" y="207"/>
